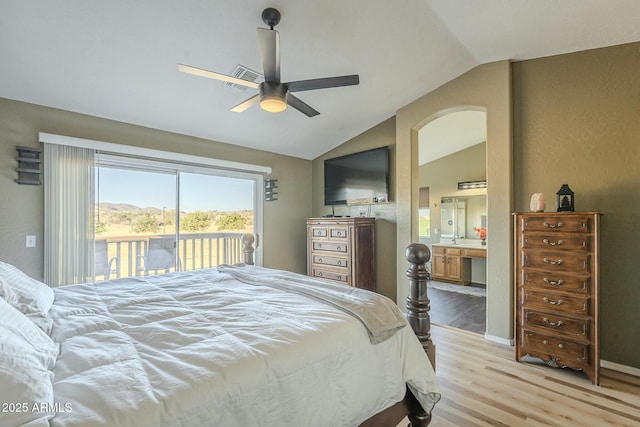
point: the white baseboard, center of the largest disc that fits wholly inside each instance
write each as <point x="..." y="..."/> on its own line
<point x="620" y="368"/>
<point x="499" y="340"/>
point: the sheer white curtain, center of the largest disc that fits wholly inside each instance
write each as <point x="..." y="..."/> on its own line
<point x="68" y="214"/>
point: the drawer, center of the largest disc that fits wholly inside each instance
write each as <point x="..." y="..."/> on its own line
<point x="474" y="253"/>
<point x="329" y="246"/>
<point x="319" y="231"/>
<point x="446" y="250"/>
<point x="556" y="242"/>
<point x="339" y="276"/>
<point x="329" y="260"/>
<point x="556" y="348"/>
<point x="338" y="233"/>
<point x="577" y="262"/>
<point x="438" y="249"/>
<point x="557" y="281"/>
<point x="556" y="224"/>
<point x="577" y="328"/>
<point x="560" y="303"/>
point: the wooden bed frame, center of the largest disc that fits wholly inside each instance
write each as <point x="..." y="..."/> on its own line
<point x="418" y="317"/>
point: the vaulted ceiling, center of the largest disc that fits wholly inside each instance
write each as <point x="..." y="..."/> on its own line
<point x="118" y="59"/>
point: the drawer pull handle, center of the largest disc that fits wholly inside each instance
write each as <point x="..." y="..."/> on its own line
<point x="338" y="248"/>
<point x="545" y="342"/>
<point x="550" y="323"/>
<point x="552" y="282"/>
<point x="339" y="263"/>
<point x="560" y="345"/>
<point x="548" y="261"/>
<point x="558" y="243"/>
<point x="319" y="259"/>
<point x="320" y="274"/>
<point x="547" y="300"/>
<point x="558" y="225"/>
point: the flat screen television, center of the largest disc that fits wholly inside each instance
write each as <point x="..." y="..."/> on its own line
<point x="357" y="178"/>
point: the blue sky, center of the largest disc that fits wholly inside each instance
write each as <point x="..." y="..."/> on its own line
<point x="152" y="189"/>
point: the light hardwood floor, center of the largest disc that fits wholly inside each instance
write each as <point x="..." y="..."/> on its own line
<point x="483" y="385"/>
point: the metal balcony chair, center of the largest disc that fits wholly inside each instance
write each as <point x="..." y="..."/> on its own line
<point x="103" y="265"/>
<point x="160" y="255"/>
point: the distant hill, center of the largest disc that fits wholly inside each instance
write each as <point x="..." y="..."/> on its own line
<point x="125" y="207"/>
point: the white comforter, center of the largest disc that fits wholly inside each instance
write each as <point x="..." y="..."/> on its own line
<point x="206" y="349"/>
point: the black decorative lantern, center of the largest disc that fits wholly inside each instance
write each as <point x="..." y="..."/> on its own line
<point x="564" y="199"/>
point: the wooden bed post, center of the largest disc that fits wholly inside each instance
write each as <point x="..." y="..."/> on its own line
<point x="247" y="248"/>
<point x="418" y="317"/>
<point x="418" y="303"/>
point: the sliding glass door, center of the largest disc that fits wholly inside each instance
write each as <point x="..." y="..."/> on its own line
<point x="155" y="217"/>
<point x="135" y="221"/>
<point x="215" y="211"/>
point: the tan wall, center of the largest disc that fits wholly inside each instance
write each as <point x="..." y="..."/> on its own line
<point x="385" y="213"/>
<point x="22" y="206"/>
<point x="577" y="121"/>
<point x="485" y="88"/>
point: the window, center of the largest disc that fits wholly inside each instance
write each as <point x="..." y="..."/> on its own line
<point x="424" y="213"/>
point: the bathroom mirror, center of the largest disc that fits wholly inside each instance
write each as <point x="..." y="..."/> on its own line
<point x="460" y="215"/>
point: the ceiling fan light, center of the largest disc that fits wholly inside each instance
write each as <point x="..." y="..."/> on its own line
<point x="273" y="97"/>
<point x="273" y="104"/>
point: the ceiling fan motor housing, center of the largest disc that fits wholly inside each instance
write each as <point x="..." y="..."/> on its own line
<point x="271" y="17"/>
<point x="273" y="96"/>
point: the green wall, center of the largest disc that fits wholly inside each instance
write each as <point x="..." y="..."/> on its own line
<point x="577" y="121"/>
<point x="442" y="176"/>
<point x="385" y="213"/>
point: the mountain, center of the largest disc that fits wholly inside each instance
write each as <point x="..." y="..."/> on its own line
<point x="125" y="207"/>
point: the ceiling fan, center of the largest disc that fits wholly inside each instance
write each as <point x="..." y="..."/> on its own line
<point x="273" y="95"/>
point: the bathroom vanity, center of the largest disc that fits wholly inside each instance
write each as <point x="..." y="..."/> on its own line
<point x="452" y="262"/>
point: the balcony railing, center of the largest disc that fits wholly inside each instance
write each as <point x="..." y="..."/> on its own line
<point x="127" y="256"/>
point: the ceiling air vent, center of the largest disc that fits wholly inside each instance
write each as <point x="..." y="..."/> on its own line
<point x="245" y="73"/>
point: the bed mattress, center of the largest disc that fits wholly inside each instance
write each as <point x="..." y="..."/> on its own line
<point x="229" y="347"/>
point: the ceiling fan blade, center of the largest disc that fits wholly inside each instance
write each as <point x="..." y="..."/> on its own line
<point x="269" y="44"/>
<point x="244" y="105"/>
<point x="217" y="76"/>
<point x="301" y="106"/>
<point x="323" y="83"/>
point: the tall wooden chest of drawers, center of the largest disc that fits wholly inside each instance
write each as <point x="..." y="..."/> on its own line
<point x="342" y="249"/>
<point x="557" y="289"/>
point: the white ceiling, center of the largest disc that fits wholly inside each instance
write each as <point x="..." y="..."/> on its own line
<point x="118" y="59"/>
<point x="451" y="133"/>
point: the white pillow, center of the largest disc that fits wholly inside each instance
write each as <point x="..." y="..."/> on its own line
<point x="34" y="297"/>
<point x="27" y="357"/>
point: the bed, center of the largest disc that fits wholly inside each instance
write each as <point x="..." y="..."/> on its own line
<point x="235" y="345"/>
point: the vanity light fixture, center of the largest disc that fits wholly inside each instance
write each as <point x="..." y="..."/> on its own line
<point x="471" y="185"/>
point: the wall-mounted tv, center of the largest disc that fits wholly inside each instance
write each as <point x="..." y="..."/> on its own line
<point x="357" y="178"/>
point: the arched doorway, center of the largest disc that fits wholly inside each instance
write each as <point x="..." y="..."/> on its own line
<point x="488" y="85"/>
<point x="452" y="150"/>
